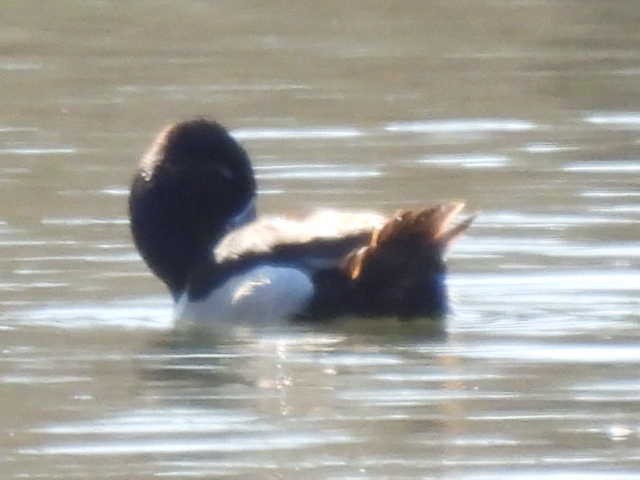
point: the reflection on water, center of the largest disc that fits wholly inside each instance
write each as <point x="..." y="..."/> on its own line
<point x="301" y="133"/>
<point x="528" y="110"/>
<point x="461" y="126"/>
<point x="622" y="120"/>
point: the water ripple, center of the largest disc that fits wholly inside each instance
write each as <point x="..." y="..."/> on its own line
<point x="462" y="126"/>
<point x="295" y="133"/>
<point x="253" y="443"/>
<point x="618" y="119"/>
<point x="604" y="166"/>
<point x="585" y="353"/>
<point x="467" y="161"/>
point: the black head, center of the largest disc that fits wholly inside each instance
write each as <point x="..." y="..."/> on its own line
<point x="194" y="179"/>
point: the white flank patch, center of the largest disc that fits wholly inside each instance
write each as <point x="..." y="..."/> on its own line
<point x="264" y="294"/>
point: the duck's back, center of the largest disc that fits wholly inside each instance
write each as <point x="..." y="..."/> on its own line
<point x="323" y="234"/>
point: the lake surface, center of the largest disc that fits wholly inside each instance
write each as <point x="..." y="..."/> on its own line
<point x="528" y="110"/>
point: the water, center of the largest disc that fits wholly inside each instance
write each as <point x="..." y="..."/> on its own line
<point x="527" y="109"/>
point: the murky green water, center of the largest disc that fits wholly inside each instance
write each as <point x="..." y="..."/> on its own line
<point x="529" y="110"/>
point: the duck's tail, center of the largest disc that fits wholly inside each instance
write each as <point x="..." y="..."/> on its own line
<point x="401" y="270"/>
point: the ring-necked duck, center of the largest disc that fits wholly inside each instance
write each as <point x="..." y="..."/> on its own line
<point x="193" y="220"/>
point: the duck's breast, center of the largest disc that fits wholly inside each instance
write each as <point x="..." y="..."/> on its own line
<point x="264" y="293"/>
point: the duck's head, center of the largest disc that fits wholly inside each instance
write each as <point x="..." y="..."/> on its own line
<point x="192" y="185"/>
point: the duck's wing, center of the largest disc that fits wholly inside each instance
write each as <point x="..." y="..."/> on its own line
<point x="318" y="241"/>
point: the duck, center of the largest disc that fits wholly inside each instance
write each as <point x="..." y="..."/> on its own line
<point x="192" y="211"/>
